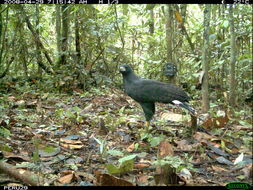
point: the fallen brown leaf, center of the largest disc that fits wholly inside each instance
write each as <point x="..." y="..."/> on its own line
<point x="87" y="176"/>
<point x="109" y="180"/>
<point x="69" y="141"/>
<point x="72" y="146"/>
<point x="218" y="122"/>
<point x="172" y="116"/>
<point x="143" y="179"/>
<point x="202" y="136"/>
<point x="219" y="169"/>
<point x="141" y="165"/>
<point x="66" y="179"/>
<point x="130" y="148"/>
<point x="248" y="171"/>
<point x="165" y="149"/>
<point x="183" y="145"/>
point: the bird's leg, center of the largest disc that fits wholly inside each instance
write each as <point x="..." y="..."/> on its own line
<point x="149" y="110"/>
<point x="147" y="123"/>
<point x="147" y="126"/>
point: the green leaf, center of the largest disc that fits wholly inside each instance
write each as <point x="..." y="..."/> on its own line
<point x="77" y="109"/>
<point x="244" y="123"/>
<point x="97" y="140"/>
<point x="115" y="152"/>
<point x="112" y="169"/>
<point x="69" y="114"/>
<point x="122" y="109"/>
<point x="136" y="146"/>
<point x="126" y="166"/>
<point x="4" y="132"/>
<point x="173" y="161"/>
<point x="241" y="177"/>
<point x="26" y="165"/>
<point x="126" y="158"/>
<point x="212" y="105"/>
<point x="142" y="155"/>
<point x="225" y="24"/>
<point x="49" y="149"/>
<point x="145" y="136"/>
<point x="6" y="148"/>
<point x="36" y="156"/>
<point x="212" y="37"/>
<point x="155" y="141"/>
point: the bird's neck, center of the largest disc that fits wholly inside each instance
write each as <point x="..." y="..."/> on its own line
<point x="130" y="77"/>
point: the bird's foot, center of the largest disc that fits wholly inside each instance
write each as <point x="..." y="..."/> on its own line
<point x="148" y="127"/>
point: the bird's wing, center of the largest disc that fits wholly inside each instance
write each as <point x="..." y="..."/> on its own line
<point x="145" y="90"/>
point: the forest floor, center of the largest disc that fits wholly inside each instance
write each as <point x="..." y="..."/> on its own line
<point x="98" y="138"/>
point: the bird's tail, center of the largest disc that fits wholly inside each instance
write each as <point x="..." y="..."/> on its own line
<point x="185" y="106"/>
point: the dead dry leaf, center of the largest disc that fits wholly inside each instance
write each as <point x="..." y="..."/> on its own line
<point x="219" y="169"/>
<point x="87" y="176"/>
<point x="72" y="146"/>
<point x="172" y="116"/>
<point x="248" y="172"/>
<point x="109" y="180"/>
<point x="130" y="148"/>
<point x="143" y="179"/>
<point x="165" y="149"/>
<point x="66" y="179"/>
<point x="183" y="145"/>
<point x="69" y="141"/>
<point x="141" y="165"/>
<point x="202" y="136"/>
<point x="218" y="122"/>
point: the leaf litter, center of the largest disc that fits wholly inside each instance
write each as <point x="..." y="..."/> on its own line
<point x="96" y="140"/>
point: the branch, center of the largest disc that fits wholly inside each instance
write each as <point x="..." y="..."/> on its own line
<point x="117" y="24"/>
<point x="4" y="9"/>
<point x="26" y="177"/>
<point x="7" y="68"/>
<point x="37" y="40"/>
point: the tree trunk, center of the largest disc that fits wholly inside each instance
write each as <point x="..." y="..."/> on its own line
<point x="169" y="38"/>
<point x="38" y="50"/>
<point x="1" y="23"/>
<point x="77" y="35"/>
<point x="58" y="29"/>
<point x="151" y="27"/>
<point x="220" y="39"/>
<point x="151" y="23"/>
<point x="169" y="32"/>
<point x="23" y="48"/>
<point x="65" y="31"/>
<point x="124" y="24"/>
<point x="3" y="29"/>
<point x="125" y="13"/>
<point x="232" y="81"/>
<point x="205" y="59"/>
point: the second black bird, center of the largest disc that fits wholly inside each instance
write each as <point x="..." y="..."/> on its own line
<point x="146" y="92"/>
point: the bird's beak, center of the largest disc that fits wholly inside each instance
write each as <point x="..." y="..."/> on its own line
<point x="122" y="69"/>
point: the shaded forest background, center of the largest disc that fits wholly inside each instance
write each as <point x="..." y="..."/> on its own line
<point x="81" y="46"/>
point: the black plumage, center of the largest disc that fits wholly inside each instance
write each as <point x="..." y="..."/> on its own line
<point x="146" y="92"/>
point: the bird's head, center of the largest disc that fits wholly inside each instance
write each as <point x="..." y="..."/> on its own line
<point x="124" y="69"/>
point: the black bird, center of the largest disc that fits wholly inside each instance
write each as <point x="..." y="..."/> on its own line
<point x="146" y="92"/>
